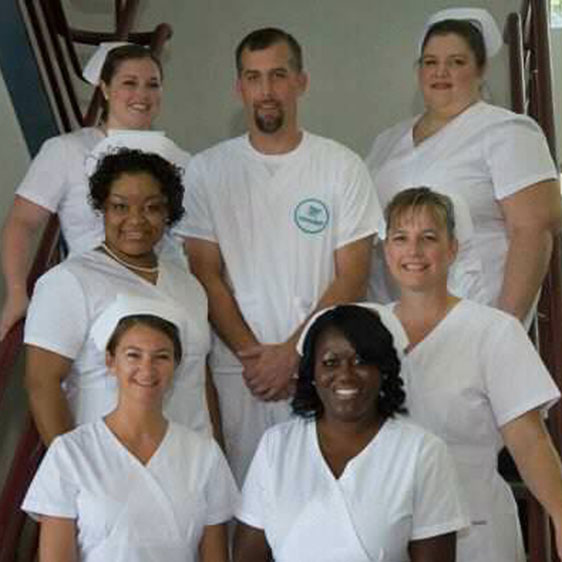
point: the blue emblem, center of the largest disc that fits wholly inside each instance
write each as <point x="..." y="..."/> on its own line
<point x="312" y="216"/>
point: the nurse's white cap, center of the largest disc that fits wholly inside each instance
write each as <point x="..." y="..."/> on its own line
<point x="388" y="319"/>
<point x="92" y="70"/>
<point x="479" y="17"/>
<point x="148" y="141"/>
<point x="129" y="305"/>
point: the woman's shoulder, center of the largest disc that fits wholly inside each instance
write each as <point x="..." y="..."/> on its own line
<point x="81" y="441"/>
<point x="83" y="140"/>
<point x="495" y="117"/>
<point x="484" y="315"/>
<point x="412" y="438"/>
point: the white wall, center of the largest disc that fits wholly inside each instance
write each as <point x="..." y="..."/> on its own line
<point x="360" y="55"/>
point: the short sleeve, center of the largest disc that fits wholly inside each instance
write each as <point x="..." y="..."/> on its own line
<point x="57" y="318"/>
<point x="197" y="220"/>
<point x="438" y="508"/>
<point x="53" y="491"/>
<point x="517" y="155"/>
<point x="221" y="490"/>
<point x="253" y="503"/>
<point x="45" y="181"/>
<point x="360" y="213"/>
<point x="515" y="377"/>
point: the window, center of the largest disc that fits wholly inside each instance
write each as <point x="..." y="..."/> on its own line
<point x="556" y="13"/>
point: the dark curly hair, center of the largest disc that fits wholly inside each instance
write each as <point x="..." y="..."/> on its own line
<point x="132" y="161"/>
<point x="372" y="341"/>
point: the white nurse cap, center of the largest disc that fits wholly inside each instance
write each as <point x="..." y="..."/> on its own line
<point x="388" y="319"/>
<point x="148" y="141"/>
<point x="129" y="305"/>
<point x="92" y="70"/>
<point x="481" y="18"/>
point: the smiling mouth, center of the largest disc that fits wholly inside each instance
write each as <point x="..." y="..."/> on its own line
<point x="140" y="107"/>
<point x="136" y="235"/>
<point x="415" y="267"/>
<point x="346" y="393"/>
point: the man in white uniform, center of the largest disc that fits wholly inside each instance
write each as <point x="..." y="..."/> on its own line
<point x="279" y="223"/>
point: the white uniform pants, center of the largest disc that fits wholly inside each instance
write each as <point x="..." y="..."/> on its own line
<point x="244" y="420"/>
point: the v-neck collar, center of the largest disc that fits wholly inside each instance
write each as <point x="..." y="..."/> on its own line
<point x="121" y="267"/>
<point x="313" y="432"/>
<point x="128" y="453"/>
<point x="455" y="121"/>
<point x="436" y="330"/>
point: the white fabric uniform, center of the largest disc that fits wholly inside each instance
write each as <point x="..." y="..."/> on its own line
<point x="278" y="220"/>
<point x="57" y="181"/>
<point x="66" y="303"/>
<point x="126" y="511"/>
<point x="482" y="156"/>
<point x="475" y="372"/>
<point x="401" y="487"/>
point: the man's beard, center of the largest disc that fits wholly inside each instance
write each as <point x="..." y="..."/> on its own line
<point x="271" y="123"/>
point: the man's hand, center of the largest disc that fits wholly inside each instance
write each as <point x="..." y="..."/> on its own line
<point x="269" y="370"/>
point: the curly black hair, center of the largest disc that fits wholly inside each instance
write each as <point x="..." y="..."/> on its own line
<point x="372" y="341"/>
<point x="133" y="161"/>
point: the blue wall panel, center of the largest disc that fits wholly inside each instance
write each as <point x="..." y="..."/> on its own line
<point x="23" y="81"/>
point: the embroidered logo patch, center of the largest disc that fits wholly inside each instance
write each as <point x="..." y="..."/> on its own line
<point x="312" y="216"/>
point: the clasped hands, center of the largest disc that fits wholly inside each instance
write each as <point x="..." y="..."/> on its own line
<point x="269" y="370"/>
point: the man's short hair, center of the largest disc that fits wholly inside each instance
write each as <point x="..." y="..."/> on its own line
<point x="263" y="38"/>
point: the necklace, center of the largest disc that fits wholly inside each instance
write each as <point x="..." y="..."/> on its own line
<point x="128" y="265"/>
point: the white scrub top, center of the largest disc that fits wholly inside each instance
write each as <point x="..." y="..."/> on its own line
<point x="473" y="373"/>
<point x="278" y="220"/>
<point x="401" y="487"/>
<point x="57" y="181"/>
<point x="67" y="301"/>
<point x="482" y="156"/>
<point x="126" y="511"/>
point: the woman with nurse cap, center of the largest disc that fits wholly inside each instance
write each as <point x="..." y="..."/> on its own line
<point x="133" y="486"/>
<point x="472" y="377"/>
<point x="139" y="196"/>
<point x="348" y="479"/>
<point x="496" y="163"/>
<point x="130" y="77"/>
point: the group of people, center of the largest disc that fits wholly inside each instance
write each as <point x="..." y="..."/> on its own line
<point x="362" y="368"/>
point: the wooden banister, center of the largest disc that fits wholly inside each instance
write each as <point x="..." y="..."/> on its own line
<point x="59" y="77"/>
<point x="528" y="36"/>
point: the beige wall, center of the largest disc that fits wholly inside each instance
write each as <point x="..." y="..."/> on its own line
<point x="14" y="160"/>
<point x="360" y="55"/>
<point x="556" y="47"/>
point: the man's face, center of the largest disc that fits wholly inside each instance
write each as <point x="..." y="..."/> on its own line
<point x="269" y="87"/>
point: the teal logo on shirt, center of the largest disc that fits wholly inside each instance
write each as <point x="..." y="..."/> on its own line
<point x="312" y="216"/>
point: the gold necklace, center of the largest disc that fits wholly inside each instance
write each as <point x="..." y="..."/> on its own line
<point x="128" y="265"/>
